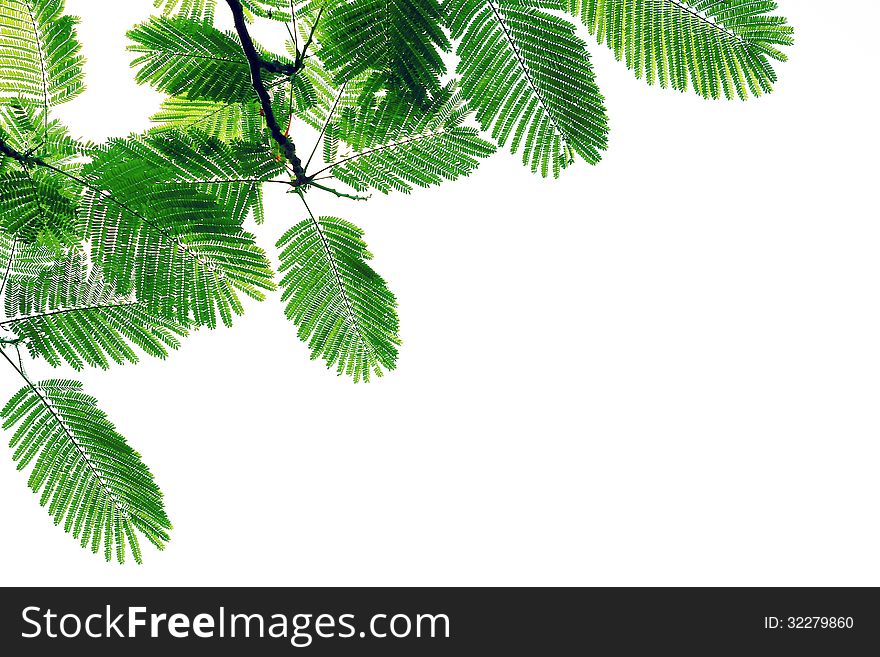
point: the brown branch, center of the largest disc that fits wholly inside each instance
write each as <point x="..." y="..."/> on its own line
<point x="257" y="65"/>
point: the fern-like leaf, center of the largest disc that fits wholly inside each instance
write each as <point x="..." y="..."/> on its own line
<point x="69" y="313"/>
<point x="38" y="204"/>
<point x="327" y="98"/>
<point x="343" y="309"/>
<point x="34" y="208"/>
<point x="88" y="477"/>
<point x="397" y="146"/>
<point x="174" y="246"/>
<point x="204" y="9"/>
<point x="22" y="261"/>
<point x="529" y="78"/>
<point x="403" y="39"/>
<point x="720" y="48"/>
<point x="277" y="10"/>
<point x="182" y="56"/>
<point x="39" y="55"/>
<point x="227" y="122"/>
<point x="26" y="127"/>
<point x="231" y="173"/>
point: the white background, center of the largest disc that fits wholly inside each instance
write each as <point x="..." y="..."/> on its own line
<point x="661" y="370"/>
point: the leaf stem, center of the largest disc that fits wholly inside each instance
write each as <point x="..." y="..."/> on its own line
<point x="8" y="266"/>
<point x="326" y="123"/>
<point x="337" y="193"/>
<point x="301" y="55"/>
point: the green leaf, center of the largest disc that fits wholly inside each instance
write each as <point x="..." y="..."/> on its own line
<point x="205" y="9"/>
<point x="529" y="78"/>
<point x="38" y="204"/>
<point x="69" y="313"/>
<point x="39" y="55"/>
<point x="719" y="48"/>
<point x="403" y="39"/>
<point x="26" y="127"/>
<point x="343" y="309"/>
<point x="278" y="10"/>
<point x="34" y="208"/>
<point x="324" y="96"/>
<point x="227" y="122"/>
<point x="232" y="174"/>
<point x="174" y="246"/>
<point x="198" y="9"/>
<point x="396" y="146"/>
<point x="182" y="56"/>
<point x="87" y="476"/>
<point x="24" y="261"/>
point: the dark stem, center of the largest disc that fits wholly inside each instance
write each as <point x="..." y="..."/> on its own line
<point x="257" y="65"/>
<point x="21" y="158"/>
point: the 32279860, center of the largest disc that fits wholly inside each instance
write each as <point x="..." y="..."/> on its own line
<point x="809" y="622"/>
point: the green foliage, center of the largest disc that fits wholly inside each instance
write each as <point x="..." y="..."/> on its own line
<point x="327" y="99"/>
<point x="343" y="309"/>
<point x="178" y="55"/>
<point x="39" y="54"/>
<point x="398" y="147"/>
<point x="110" y="251"/>
<point x="86" y="474"/>
<point x="205" y="9"/>
<point x="720" y="48"/>
<point x="231" y="173"/>
<point x="39" y="204"/>
<point x="171" y="244"/>
<point x="28" y="128"/>
<point x="34" y="208"/>
<point x="278" y="10"/>
<point x="401" y="38"/>
<point x="227" y="122"/>
<point x="530" y="80"/>
<point x="69" y="313"/>
<point x="24" y="261"/>
<point x="198" y="9"/>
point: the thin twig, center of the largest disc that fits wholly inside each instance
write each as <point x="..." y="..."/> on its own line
<point x="338" y="193"/>
<point x="326" y="123"/>
<point x="8" y="265"/>
<point x="20" y="361"/>
<point x="301" y="56"/>
<point x="293" y="32"/>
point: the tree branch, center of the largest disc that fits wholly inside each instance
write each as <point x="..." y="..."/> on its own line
<point x="21" y="158"/>
<point x="257" y="65"/>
